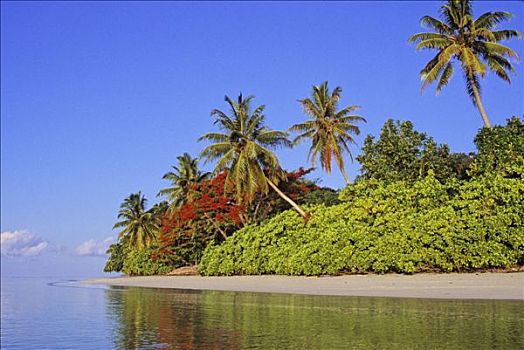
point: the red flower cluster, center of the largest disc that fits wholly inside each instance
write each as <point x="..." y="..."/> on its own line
<point x="211" y="211"/>
<point x="207" y="202"/>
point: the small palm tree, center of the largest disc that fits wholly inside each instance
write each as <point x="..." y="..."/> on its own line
<point x="243" y="149"/>
<point x="330" y="130"/>
<point x="184" y="176"/>
<point x="473" y="42"/>
<point x="159" y="210"/>
<point x="140" y="227"/>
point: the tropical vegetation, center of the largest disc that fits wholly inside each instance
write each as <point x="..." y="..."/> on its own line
<point x="402" y="153"/>
<point x="473" y="42"/>
<point x="414" y="206"/>
<point x="244" y="149"/>
<point x="400" y="226"/>
<point x="139" y="226"/>
<point x="329" y="129"/>
<point x="183" y="176"/>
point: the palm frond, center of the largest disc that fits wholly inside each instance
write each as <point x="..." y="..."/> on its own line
<point x="308" y="125"/>
<point x="433" y="23"/>
<point x="446" y="75"/>
<point x="273" y="138"/>
<point x="418" y="37"/>
<point x="310" y="108"/>
<point x="489" y="20"/>
<point x="225" y="161"/>
<point x="431" y="71"/>
<point x="498" y="69"/>
<point x="351" y="118"/>
<point x="438" y="43"/>
<point x="506" y="34"/>
<point x="483" y="34"/>
<point x="471" y="63"/>
<point x="501" y="50"/>
<point x="306" y="135"/>
<point x="214" y="137"/>
<point x="215" y="151"/>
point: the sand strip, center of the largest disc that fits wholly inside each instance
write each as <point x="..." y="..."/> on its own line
<point x="487" y="285"/>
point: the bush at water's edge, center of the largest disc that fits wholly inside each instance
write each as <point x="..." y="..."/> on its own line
<point x="397" y="227"/>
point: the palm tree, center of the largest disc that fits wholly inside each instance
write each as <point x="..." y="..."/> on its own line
<point x="140" y="227"/>
<point x="243" y="149"/>
<point x="329" y="130"/>
<point x="473" y="42"/>
<point x="184" y="176"/>
<point x="159" y="210"/>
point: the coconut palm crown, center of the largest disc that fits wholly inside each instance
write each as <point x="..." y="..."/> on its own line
<point x="329" y="129"/>
<point x="182" y="178"/>
<point x="243" y="147"/>
<point x="472" y="42"/>
<point x="140" y="227"/>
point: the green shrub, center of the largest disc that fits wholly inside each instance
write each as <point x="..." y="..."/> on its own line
<point x="398" y="227"/>
<point x="326" y="196"/>
<point x="403" y="154"/>
<point x="139" y="262"/>
<point x="117" y="254"/>
<point x="499" y="147"/>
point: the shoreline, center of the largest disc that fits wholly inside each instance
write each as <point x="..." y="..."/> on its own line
<point x="485" y="285"/>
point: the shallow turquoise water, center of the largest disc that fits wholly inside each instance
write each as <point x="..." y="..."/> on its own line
<point x="37" y="313"/>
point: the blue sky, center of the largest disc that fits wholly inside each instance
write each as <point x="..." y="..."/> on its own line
<point x="98" y="99"/>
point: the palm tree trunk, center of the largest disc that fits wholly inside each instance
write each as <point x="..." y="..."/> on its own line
<point x="343" y="171"/>
<point x="478" y="102"/>
<point x="289" y="200"/>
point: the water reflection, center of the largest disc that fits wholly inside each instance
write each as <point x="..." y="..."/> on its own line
<point x="161" y="318"/>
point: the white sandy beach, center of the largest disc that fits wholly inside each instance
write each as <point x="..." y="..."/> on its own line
<point x="489" y="285"/>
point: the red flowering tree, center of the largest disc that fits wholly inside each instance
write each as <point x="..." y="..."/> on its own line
<point x="208" y="214"/>
<point x="212" y="214"/>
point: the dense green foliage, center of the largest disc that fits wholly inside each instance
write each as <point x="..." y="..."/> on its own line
<point x="326" y="196"/>
<point x="140" y="262"/>
<point x="117" y="254"/>
<point x="414" y="207"/>
<point x="212" y="214"/>
<point x="499" y="147"/>
<point x="417" y="209"/>
<point x="132" y="261"/>
<point x="402" y="153"/>
<point x="397" y="227"/>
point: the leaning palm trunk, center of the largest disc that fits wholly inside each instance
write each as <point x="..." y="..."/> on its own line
<point x="289" y="200"/>
<point x="478" y="102"/>
<point x="343" y="171"/>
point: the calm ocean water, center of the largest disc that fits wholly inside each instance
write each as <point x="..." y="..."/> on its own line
<point x="46" y="313"/>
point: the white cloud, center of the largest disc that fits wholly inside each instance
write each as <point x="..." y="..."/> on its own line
<point x="24" y="243"/>
<point x="93" y="247"/>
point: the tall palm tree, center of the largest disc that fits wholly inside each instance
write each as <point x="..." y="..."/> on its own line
<point x="140" y="227"/>
<point x="329" y="129"/>
<point x="473" y="42"/>
<point x="182" y="178"/>
<point x="243" y="148"/>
